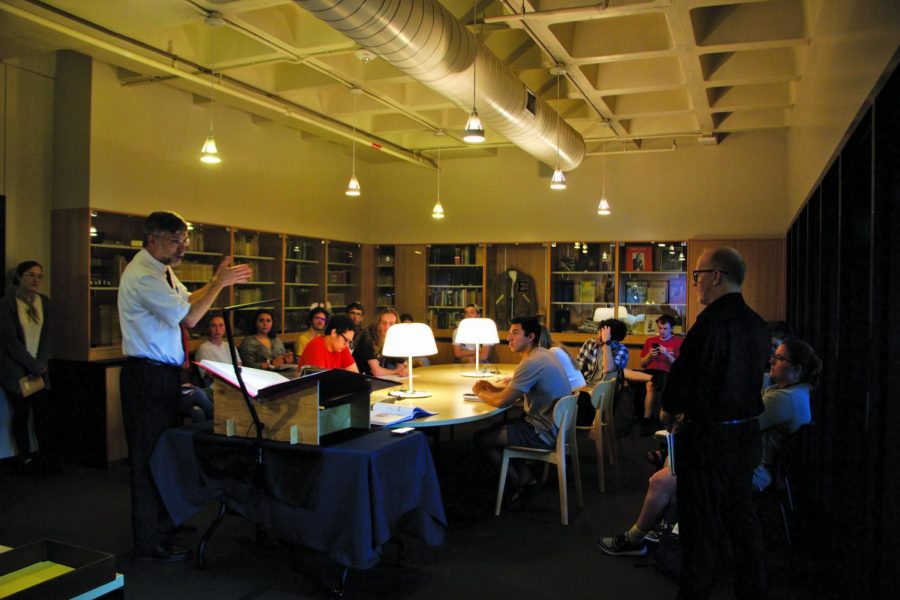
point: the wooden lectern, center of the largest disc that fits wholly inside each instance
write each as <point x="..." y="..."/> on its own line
<point x="299" y="411"/>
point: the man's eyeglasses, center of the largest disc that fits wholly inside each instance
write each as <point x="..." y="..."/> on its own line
<point x="777" y="358"/>
<point x="696" y="274"/>
<point x="319" y="319"/>
<point x="175" y="240"/>
<point x="349" y="342"/>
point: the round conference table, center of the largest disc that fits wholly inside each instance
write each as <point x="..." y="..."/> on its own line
<point x="447" y="385"/>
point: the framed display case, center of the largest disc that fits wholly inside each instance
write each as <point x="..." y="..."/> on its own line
<point x="304" y="283"/>
<point x="652" y="281"/>
<point x="343" y="275"/>
<point x="582" y="284"/>
<point x="516" y="280"/>
<point x="385" y="273"/>
<point x="455" y="278"/>
<point x="263" y="252"/>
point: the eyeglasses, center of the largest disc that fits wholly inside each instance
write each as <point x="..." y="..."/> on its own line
<point x="175" y="240"/>
<point x="349" y="342"/>
<point x="777" y="358"/>
<point x="696" y="274"/>
<point x="319" y="319"/>
<point x="37" y="276"/>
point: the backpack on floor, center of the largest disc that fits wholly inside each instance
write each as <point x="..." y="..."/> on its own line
<point x="668" y="553"/>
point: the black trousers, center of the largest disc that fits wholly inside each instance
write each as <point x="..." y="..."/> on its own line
<point x="150" y="394"/>
<point x="39" y="405"/>
<point x="715" y="468"/>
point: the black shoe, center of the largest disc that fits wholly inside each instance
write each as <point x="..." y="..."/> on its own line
<point x="522" y="495"/>
<point x="183" y="530"/>
<point x="164" y="553"/>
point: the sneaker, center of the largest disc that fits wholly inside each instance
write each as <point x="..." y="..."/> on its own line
<point x="620" y="545"/>
<point x="654" y="534"/>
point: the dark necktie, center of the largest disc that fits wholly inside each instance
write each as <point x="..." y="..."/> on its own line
<point x="184" y="334"/>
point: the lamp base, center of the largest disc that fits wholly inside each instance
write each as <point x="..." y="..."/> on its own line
<point x="480" y="373"/>
<point x="409" y="394"/>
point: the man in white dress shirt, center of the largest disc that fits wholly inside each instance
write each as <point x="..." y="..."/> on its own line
<point x="153" y="307"/>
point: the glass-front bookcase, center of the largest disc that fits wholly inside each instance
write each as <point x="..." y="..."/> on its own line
<point x="652" y="281"/>
<point x="385" y="274"/>
<point x="582" y="285"/>
<point x="304" y="283"/>
<point x="343" y="287"/>
<point x="455" y="279"/>
<point x="262" y="251"/>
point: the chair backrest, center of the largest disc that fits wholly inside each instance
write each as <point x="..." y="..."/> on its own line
<point x="564" y="419"/>
<point x="603" y="393"/>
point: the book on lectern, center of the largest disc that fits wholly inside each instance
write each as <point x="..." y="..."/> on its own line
<point x="384" y="413"/>
<point x="254" y="379"/>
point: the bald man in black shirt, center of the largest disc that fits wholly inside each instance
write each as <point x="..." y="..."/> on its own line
<point x="712" y="400"/>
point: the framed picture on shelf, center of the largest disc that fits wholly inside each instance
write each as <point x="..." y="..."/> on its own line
<point x="668" y="260"/>
<point x="638" y="258"/>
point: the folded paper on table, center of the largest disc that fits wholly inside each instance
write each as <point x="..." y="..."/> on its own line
<point x="472" y="398"/>
<point x="384" y="413"/>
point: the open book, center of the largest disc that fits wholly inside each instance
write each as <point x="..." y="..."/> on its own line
<point x="386" y="414"/>
<point x="254" y="379"/>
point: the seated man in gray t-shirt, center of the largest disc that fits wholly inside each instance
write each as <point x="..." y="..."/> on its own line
<point x="542" y="379"/>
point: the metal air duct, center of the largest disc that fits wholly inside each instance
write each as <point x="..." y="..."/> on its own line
<point x="425" y="41"/>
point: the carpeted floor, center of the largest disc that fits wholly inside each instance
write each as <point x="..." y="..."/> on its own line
<point x="524" y="554"/>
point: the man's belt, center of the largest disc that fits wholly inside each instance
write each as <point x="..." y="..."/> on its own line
<point x="150" y="361"/>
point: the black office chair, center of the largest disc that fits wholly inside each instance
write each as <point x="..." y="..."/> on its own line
<point x="793" y="461"/>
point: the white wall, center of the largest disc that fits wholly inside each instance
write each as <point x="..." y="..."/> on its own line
<point x="853" y="44"/>
<point x="145" y="156"/>
<point x="27" y="159"/>
<point x="736" y="189"/>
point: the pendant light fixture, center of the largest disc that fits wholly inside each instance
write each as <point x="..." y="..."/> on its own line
<point x="474" y="132"/>
<point x="603" y="207"/>
<point x="209" y="153"/>
<point x="353" y="186"/>
<point x="438" y="211"/>
<point x="558" y="181"/>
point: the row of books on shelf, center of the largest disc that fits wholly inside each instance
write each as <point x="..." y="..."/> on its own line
<point x="340" y="277"/>
<point x="106" y="270"/>
<point x="385" y="279"/>
<point x="440" y="319"/>
<point x="246" y="244"/>
<point x="302" y="250"/>
<point x="457" y="255"/>
<point x="245" y="295"/>
<point x="385" y="300"/>
<point x="194" y="271"/>
<point x="585" y="291"/>
<point x="655" y="292"/>
<point x="443" y="297"/>
<point x="105" y="330"/>
<point x="445" y="276"/>
<point x="298" y="296"/>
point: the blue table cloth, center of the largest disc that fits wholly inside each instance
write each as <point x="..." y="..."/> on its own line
<point x="344" y="500"/>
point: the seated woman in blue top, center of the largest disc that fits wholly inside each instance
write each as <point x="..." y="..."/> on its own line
<point x="263" y="350"/>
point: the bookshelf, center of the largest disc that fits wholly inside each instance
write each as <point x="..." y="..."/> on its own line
<point x="455" y="278"/>
<point x="343" y="275"/>
<point x="582" y="279"/>
<point x="304" y="279"/>
<point x="653" y="281"/>
<point x="385" y="276"/>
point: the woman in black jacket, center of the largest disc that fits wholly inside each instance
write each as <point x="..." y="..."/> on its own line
<point x="25" y="346"/>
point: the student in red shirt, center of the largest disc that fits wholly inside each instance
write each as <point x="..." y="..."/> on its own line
<point x="332" y="350"/>
<point x="657" y="356"/>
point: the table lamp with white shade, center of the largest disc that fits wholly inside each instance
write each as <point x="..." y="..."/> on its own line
<point x="409" y="339"/>
<point x="477" y="331"/>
